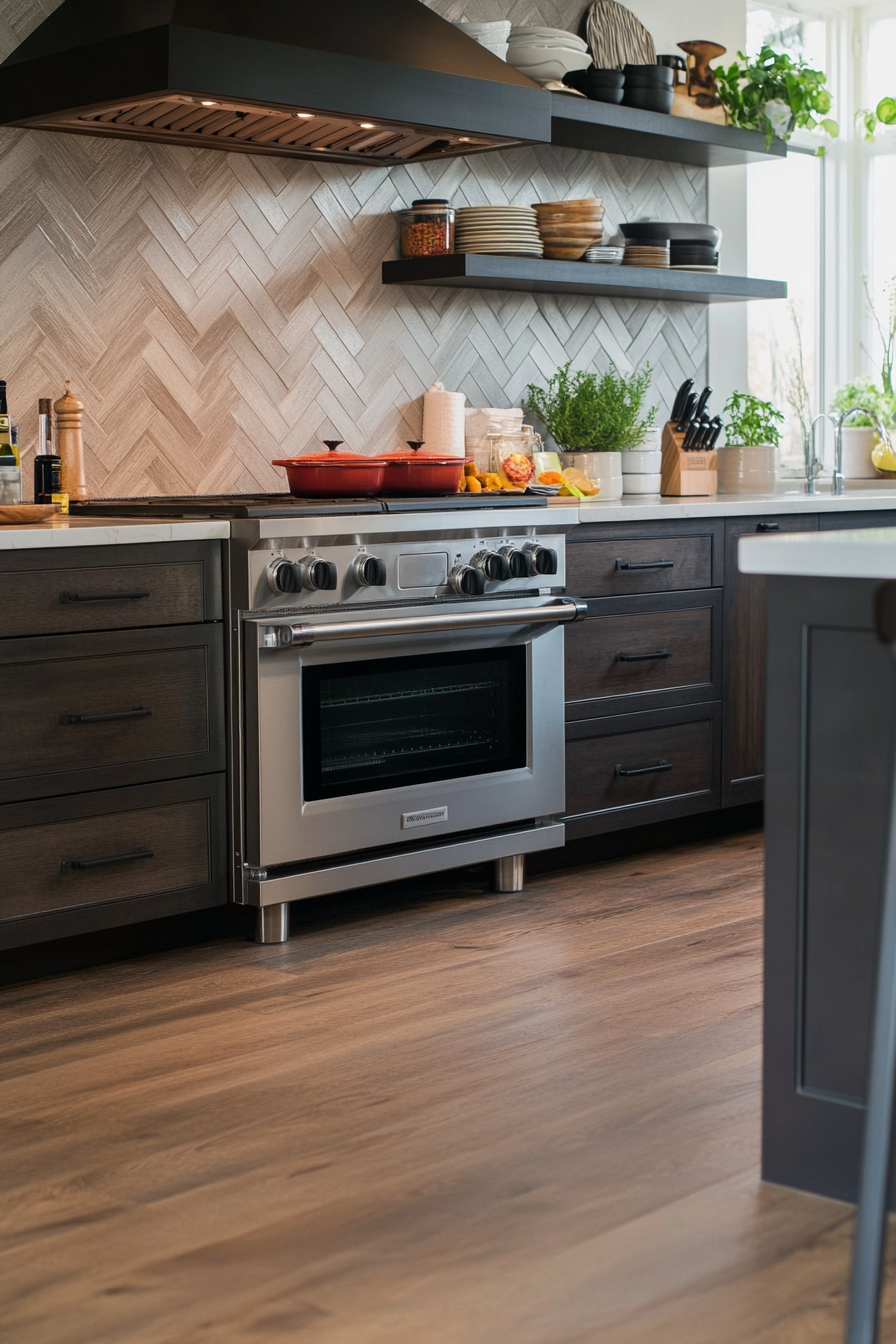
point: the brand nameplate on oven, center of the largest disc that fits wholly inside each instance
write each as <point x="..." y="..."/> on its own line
<point x="427" y="818"/>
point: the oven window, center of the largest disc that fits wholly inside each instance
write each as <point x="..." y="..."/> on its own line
<point x="398" y="721"/>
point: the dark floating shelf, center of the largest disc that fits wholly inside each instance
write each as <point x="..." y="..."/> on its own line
<point x="534" y="276"/>
<point x="578" y="123"/>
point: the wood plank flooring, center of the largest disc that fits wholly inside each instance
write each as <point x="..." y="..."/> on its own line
<point x="459" y="1119"/>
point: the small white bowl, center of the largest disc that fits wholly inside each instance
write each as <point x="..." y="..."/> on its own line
<point x="642" y="461"/>
<point x="543" y="65"/>
<point x="649" y="484"/>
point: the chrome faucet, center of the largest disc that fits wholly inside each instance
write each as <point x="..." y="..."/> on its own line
<point x="837" y="482"/>
<point x="814" y="463"/>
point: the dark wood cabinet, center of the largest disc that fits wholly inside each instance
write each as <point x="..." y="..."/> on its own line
<point x="743" y="752"/>
<point x="112" y="737"/>
<point x="630" y="769"/>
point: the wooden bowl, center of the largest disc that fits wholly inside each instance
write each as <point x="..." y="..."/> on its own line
<point x="589" y="202"/>
<point x="12" y="514"/>
<point x="558" y="253"/>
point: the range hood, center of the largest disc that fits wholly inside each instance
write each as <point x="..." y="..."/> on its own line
<point x="358" y="81"/>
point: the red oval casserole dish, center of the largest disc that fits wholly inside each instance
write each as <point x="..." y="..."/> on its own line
<point x="411" y="472"/>
<point x="333" y="475"/>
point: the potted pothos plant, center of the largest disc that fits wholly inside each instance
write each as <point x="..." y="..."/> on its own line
<point x="595" y="414"/>
<point x="861" y="440"/>
<point x="752" y="437"/>
<point x="775" y="94"/>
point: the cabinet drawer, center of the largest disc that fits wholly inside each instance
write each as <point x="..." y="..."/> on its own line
<point x="118" y="846"/>
<point x="57" y="599"/>
<point x="90" y="711"/>
<point x="635" y="768"/>
<point x="654" y="565"/>
<point x="641" y="653"/>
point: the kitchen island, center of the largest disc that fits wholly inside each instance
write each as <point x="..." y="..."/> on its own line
<point x="830" y="743"/>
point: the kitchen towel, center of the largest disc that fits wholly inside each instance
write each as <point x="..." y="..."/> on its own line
<point x="443" y="421"/>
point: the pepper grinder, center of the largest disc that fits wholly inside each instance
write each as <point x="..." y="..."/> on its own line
<point x="70" y="443"/>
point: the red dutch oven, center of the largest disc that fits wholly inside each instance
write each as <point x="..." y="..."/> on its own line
<point x="333" y="475"/>
<point x="410" y="472"/>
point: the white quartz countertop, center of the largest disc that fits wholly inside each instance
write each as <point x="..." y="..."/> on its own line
<point x="65" y="531"/>
<point x="855" y="553"/>
<point x="647" y="508"/>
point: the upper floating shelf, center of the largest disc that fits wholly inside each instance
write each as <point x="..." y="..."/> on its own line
<point x="578" y="123"/>
<point x="532" y="275"/>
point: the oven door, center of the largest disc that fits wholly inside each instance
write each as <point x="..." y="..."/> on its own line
<point x="393" y="732"/>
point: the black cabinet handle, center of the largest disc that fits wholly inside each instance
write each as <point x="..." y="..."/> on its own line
<point x="78" y="865"/>
<point x="116" y="595"/>
<point x="644" y="564"/>
<point x="642" y="657"/>
<point x="643" y="769"/>
<point x="768" y="527"/>
<point x="138" y="712"/>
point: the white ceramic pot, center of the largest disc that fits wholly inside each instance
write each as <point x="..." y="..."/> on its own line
<point x="650" y="483"/>
<point x="858" y="443"/>
<point x="603" y="467"/>
<point x="638" y="461"/>
<point x="747" y="470"/>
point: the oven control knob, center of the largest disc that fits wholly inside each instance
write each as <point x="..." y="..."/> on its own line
<point x="542" y="560"/>
<point x="284" y="577"/>
<point x="466" y="580"/>
<point x="318" y="575"/>
<point x="369" y="571"/>
<point x="494" y="566"/>
<point x="518" y="561"/>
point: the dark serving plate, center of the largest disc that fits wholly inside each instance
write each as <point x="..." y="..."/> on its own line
<point x="649" y="230"/>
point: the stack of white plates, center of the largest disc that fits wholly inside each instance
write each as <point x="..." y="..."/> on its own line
<point x="492" y="36"/>
<point x="605" y="256"/>
<point x="546" y="54"/>
<point x="504" y="230"/>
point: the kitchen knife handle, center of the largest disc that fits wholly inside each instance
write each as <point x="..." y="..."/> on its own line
<point x="703" y="402"/>
<point x="687" y="413"/>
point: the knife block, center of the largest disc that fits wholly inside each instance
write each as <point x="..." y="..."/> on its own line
<point x="687" y="473"/>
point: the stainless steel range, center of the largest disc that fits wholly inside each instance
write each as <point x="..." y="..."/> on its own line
<point x="398" y="693"/>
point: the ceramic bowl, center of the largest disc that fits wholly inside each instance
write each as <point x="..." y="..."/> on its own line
<point x="648" y="101"/>
<point x="535" y="33"/>
<point x="540" y="64"/>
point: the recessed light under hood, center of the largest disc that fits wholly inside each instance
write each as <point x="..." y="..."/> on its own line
<point x="359" y="81"/>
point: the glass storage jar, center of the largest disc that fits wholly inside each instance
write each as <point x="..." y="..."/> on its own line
<point x="427" y="229"/>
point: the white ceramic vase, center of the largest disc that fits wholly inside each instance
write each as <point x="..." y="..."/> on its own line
<point x="603" y="467"/>
<point x="747" y="470"/>
<point x="858" y="442"/>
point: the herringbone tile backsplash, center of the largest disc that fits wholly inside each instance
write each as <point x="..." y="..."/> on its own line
<point x="216" y="310"/>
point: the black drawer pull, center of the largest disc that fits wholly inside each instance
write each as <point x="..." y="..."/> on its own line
<point x="78" y="865"/>
<point x="643" y="769"/>
<point x="113" y="595"/>
<point x="138" y="712"/>
<point x="768" y="527"/>
<point x="644" y="564"/>
<point x="642" y="657"/>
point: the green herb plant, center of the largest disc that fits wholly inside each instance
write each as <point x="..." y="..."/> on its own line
<point x="751" y="422"/>
<point x="864" y="391"/>
<point x="775" y="94"/>
<point x="868" y="119"/>
<point x="584" y="411"/>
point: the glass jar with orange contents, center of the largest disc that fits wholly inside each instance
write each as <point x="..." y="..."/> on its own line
<point x="427" y="229"/>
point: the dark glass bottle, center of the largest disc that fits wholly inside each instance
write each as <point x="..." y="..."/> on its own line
<point x="47" y="465"/>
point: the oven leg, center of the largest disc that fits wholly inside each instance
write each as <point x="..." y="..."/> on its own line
<point x="272" y="925"/>
<point x="510" y="873"/>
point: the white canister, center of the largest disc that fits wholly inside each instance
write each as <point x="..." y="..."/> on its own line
<point x="603" y="467"/>
<point x="747" y="470"/>
<point x="858" y="443"/>
<point x="641" y="461"/>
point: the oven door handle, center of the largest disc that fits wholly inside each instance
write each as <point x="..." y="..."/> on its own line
<point x="288" y="636"/>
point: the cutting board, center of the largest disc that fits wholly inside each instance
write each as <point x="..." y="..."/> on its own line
<point x="26" y="513"/>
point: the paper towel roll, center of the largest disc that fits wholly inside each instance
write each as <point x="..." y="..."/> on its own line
<point x="443" y="421"/>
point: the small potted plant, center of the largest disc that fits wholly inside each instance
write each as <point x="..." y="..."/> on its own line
<point x="860" y="437"/>
<point x="752" y="435"/>
<point x="594" y="419"/>
<point x="775" y="94"/>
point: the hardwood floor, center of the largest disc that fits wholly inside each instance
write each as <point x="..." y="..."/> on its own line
<point x="459" y="1119"/>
